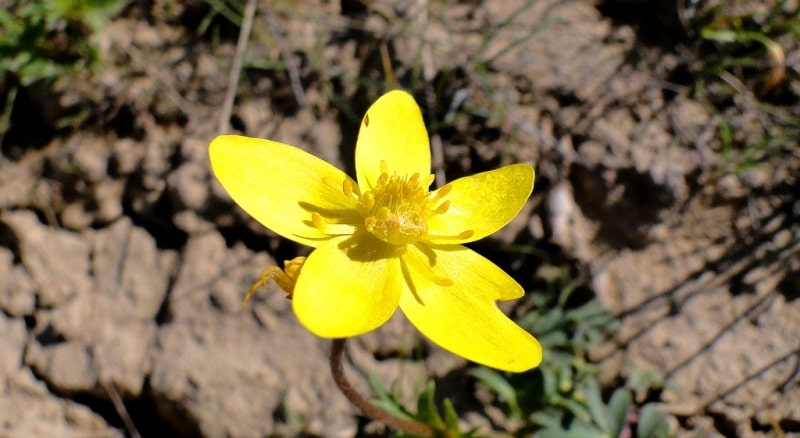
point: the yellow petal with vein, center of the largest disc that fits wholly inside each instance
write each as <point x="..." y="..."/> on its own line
<point x="392" y="131"/>
<point x="463" y="317"/>
<point x="347" y="287"/>
<point x="483" y="203"/>
<point x="281" y="185"/>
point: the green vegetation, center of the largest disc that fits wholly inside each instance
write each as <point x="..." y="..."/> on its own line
<point x="562" y="397"/>
<point x="744" y="67"/>
<point x="44" y="40"/>
<point x="47" y="39"/>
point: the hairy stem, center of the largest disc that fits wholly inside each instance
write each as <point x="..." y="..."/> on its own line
<point x="337" y="370"/>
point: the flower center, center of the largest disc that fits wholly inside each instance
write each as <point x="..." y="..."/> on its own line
<point x="395" y="209"/>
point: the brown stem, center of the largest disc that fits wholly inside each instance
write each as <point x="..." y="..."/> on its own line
<point x="337" y="370"/>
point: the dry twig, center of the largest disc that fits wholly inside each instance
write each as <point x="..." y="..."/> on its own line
<point x="236" y="67"/>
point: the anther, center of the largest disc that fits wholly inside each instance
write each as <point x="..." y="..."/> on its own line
<point x="368" y="201"/>
<point x="442" y="281"/>
<point x="316" y="219"/>
<point x="460" y="236"/>
<point x="465" y="234"/>
<point x="428" y="180"/>
<point x="444" y="191"/>
<point x="443" y="207"/>
<point x="428" y="272"/>
<point x="347" y="188"/>
<point x="383" y="213"/>
<point x="331" y="229"/>
<point x="384" y="167"/>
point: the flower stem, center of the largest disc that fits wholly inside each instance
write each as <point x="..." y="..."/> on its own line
<point x="368" y="409"/>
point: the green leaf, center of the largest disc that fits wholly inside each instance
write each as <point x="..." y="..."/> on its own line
<point x="377" y="387"/>
<point x="595" y="404"/>
<point x="498" y="384"/>
<point x="589" y="310"/>
<point x="576" y="408"/>
<point x="450" y="415"/>
<point x="719" y="35"/>
<point x="547" y="418"/>
<point x="652" y="423"/>
<point x="618" y="408"/>
<point x="426" y="407"/>
<point x="551" y="321"/>
<point x="387" y="401"/>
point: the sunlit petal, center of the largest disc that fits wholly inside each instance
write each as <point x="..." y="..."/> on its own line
<point x="463" y="317"/>
<point x="392" y="131"/>
<point x="482" y="203"/>
<point x="281" y="186"/>
<point x="347" y="287"/>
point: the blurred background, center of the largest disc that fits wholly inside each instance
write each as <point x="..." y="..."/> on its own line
<point x="660" y="250"/>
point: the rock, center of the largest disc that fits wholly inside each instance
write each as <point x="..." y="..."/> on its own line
<point x="229" y="371"/>
<point x="57" y="260"/>
<point x="75" y="217"/>
<point x="12" y="344"/>
<point x="188" y="186"/>
<point x="126" y="156"/>
<point x="17" y="289"/>
<point x="90" y="155"/>
<point x="18" y="182"/>
<point x="66" y="366"/>
<point x="130" y="271"/>
<point x="108" y="197"/>
<point x="106" y="333"/>
<point x="27" y="409"/>
<point x="570" y="228"/>
<point x="192" y="223"/>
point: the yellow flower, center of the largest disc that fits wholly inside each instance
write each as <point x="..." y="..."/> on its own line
<point x="386" y="240"/>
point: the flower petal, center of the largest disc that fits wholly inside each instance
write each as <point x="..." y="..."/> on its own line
<point x="280" y="185"/>
<point x="482" y="203"/>
<point x="463" y="317"/>
<point x="392" y="131"/>
<point x="347" y="287"/>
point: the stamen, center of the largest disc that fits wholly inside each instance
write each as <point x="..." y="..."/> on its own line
<point x="460" y="236"/>
<point x="441" y="193"/>
<point x="384" y="167"/>
<point x="383" y="178"/>
<point x="339" y="229"/>
<point x="443" y="207"/>
<point x="443" y="281"/>
<point x="367" y="201"/>
<point x="465" y="234"/>
<point x="426" y="270"/>
<point x="397" y="208"/>
<point x="316" y="219"/>
<point x="347" y="188"/>
<point x="383" y="213"/>
<point x="331" y="229"/>
<point x="428" y="180"/>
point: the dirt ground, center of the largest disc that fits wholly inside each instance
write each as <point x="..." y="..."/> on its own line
<point x="123" y="264"/>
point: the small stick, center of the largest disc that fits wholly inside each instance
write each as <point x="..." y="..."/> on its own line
<point x="428" y="73"/>
<point x="288" y="58"/>
<point x="236" y="67"/>
<point x="116" y="400"/>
